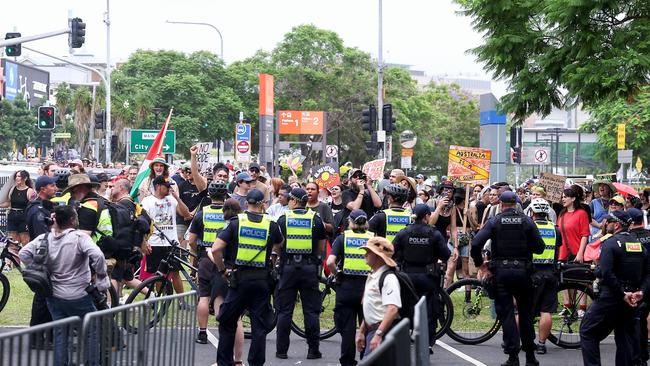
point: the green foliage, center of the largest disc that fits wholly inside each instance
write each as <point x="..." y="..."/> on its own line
<point x="555" y="52"/>
<point x="17" y="123"/>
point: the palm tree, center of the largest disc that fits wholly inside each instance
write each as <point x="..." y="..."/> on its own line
<point x="82" y="102"/>
<point x="63" y="98"/>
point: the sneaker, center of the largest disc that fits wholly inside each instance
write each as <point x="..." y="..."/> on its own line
<point x="581" y="313"/>
<point x="513" y="360"/>
<point x="314" y="355"/>
<point x="540" y="349"/>
<point x="531" y="360"/>
<point x="202" y="338"/>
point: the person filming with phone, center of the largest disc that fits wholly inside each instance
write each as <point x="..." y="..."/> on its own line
<point x="361" y="194"/>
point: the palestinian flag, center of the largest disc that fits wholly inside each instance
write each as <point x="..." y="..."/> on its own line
<point x="154" y="152"/>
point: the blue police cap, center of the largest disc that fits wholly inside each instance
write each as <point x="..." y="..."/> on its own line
<point x="636" y="215"/>
<point x="254" y="196"/>
<point x="508" y="197"/>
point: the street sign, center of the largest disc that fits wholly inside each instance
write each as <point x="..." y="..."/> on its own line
<point x="407" y="139"/>
<point x="541" y="156"/>
<point x="62" y="135"/>
<point x="406" y="162"/>
<point x="243" y="137"/>
<point x="141" y="141"/>
<point x="407" y="152"/>
<point x="243" y="147"/>
<point x="535" y="155"/>
<point x="301" y="122"/>
<point x="639" y="165"/>
<point x="625" y="156"/>
<point x="620" y="136"/>
<point x="332" y="152"/>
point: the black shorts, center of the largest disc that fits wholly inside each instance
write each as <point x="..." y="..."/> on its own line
<point x="16" y="221"/>
<point x="545" y="292"/>
<point x="157" y="254"/>
<point x="211" y="283"/>
<point x="123" y="271"/>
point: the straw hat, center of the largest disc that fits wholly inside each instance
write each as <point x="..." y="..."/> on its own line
<point x="80" y="179"/>
<point x="383" y="248"/>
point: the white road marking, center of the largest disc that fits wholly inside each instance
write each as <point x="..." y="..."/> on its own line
<point x="460" y="354"/>
<point x="212" y="339"/>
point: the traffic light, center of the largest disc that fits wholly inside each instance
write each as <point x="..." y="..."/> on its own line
<point x="387" y="118"/>
<point x="77" y="35"/>
<point x="516" y="155"/>
<point x="369" y="119"/>
<point x="372" y="146"/>
<point x="100" y="118"/>
<point x="113" y="143"/>
<point x="46" y="117"/>
<point x="15" y="50"/>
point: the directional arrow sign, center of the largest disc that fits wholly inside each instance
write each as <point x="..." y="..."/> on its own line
<point x="141" y="141"/>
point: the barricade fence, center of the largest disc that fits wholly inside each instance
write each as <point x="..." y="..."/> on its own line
<point x="157" y="331"/>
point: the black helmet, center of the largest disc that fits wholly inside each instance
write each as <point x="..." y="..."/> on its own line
<point x="398" y="192"/>
<point x="217" y="189"/>
<point x="61" y="175"/>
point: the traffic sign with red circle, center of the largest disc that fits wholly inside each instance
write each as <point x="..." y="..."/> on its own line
<point x="243" y="147"/>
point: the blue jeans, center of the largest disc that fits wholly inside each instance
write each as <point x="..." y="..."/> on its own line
<point x="61" y="309"/>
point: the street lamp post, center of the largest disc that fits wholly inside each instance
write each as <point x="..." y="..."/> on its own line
<point x="204" y="24"/>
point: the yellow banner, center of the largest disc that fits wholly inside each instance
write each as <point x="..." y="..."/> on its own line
<point x="620" y="136"/>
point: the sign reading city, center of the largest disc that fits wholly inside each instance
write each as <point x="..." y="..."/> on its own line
<point x="243" y="142"/>
<point x="469" y="164"/>
<point x="301" y="122"/>
<point x="141" y="141"/>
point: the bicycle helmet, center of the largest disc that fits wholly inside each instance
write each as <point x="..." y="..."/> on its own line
<point x="540" y="205"/>
<point x="398" y="192"/>
<point x="217" y="188"/>
<point x="61" y="175"/>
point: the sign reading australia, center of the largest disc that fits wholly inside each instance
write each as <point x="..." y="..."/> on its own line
<point x="32" y="83"/>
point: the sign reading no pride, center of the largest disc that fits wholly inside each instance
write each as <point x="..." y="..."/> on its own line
<point x="141" y="141"/>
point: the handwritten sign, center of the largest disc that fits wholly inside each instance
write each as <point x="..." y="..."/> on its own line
<point x="327" y="175"/>
<point x="553" y="185"/>
<point x="374" y="169"/>
<point x="469" y="164"/>
<point x="203" y="156"/>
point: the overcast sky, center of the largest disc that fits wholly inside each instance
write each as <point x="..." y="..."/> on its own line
<point x="428" y="34"/>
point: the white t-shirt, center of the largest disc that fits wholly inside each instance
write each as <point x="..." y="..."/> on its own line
<point x="374" y="301"/>
<point x="163" y="214"/>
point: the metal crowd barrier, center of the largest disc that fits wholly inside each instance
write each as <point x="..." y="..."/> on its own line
<point x="3" y="219"/>
<point x="421" y="333"/>
<point x="394" y="350"/>
<point x="158" y="331"/>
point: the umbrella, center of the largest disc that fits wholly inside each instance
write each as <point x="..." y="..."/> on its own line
<point x="625" y="189"/>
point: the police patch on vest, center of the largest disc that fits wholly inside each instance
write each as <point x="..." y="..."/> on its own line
<point x="295" y="222"/>
<point x="253" y="233"/>
<point x="419" y="241"/>
<point x="633" y="247"/>
<point x="399" y="220"/>
<point x="547" y="233"/>
<point x="511" y="220"/>
<point x="355" y="242"/>
<point x="218" y="217"/>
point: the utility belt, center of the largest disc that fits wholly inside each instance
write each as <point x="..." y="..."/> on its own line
<point x="430" y="269"/>
<point x="301" y="260"/>
<point x="630" y="287"/>
<point x="17" y="209"/>
<point x="242" y="274"/>
<point x="520" y="263"/>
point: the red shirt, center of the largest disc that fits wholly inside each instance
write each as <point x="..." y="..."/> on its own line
<point x="573" y="227"/>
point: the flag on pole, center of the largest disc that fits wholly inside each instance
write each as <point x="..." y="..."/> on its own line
<point x="154" y="151"/>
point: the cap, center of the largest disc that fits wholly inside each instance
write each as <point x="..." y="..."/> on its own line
<point x="383" y="248"/>
<point x="620" y="216"/>
<point x="186" y="166"/>
<point x="158" y="161"/>
<point x="508" y="197"/>
<point x="618" y="199"/>
<point x="161" y="180"/>
<point x="254" y="196"/>
<point x="298" y="194"/>
<point x="244" y="177"/>
<point x="43" y="181"/>
<point x="355" y="214"/>
<point x="356" y="173"/>
<point x="102" y="177"/>
<point x="636" y="215"/>
<point x="421" y="210"/>
<point x="253" y="166"/>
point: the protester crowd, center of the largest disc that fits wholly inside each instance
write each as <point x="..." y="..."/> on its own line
<point x="255" y="234"/>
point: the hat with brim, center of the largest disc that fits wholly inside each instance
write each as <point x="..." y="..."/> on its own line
<point x="410" y="180"/>
<point x="76" y="180"/>
<point x="159" y="161"/>
<point x="383" y="248"/>
<point x="595" y="186"/>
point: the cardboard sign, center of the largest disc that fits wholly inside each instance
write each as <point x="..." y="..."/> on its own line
<point x="553" y="185"/>
<point x="327" y="175"/>
<point x="374" y="169"/>
<point x="203" y="156"/>
<point x="469" y="164"/>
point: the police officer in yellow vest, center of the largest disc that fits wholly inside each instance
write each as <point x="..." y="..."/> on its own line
<point x="245" y="252"/>
<point x="545" y="282"/>
<point x="61" y="176"/>
<point x="349" y="271"/>
<point x="389" y="222"/>
<point x="300" y="261"/>
<point x="203" y="232"/>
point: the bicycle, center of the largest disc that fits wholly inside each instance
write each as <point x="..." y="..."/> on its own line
<point x="5" y="255"/>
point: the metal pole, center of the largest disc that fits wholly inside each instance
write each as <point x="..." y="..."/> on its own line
<point x="380" y="82"/>
<point x="205" y="24"/>
<point x="25" y="39"/>
<point x="108" y="82"/>
<point x="91" y="126"/>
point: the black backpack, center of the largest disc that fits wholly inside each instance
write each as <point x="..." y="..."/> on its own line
<point x="406" y="292"/>
<point x="129" y="228"/>
<point x="36" y="274"/>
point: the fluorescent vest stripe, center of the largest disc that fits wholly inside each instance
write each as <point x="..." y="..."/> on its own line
<point x="355" y="263"/>
<point x="547" y="232"/>
<point x="212" y="222"/>
<point x="252" y="239"/>
<point x="61" y="200"/>
<point x="395" y="222"/>
<point x="299" y="232"/>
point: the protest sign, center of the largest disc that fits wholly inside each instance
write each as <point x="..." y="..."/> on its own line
<point x="203" y="156"/>
<point x="374" y="169"/>
<point x="553" y="185"/>
<point x="326" y="175"/>
<point x="469" y="164"/>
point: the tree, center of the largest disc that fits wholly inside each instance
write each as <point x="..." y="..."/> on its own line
<point x="82" y="101"/>
<point x="556" y="52"/>
<point x="17" y="125"/>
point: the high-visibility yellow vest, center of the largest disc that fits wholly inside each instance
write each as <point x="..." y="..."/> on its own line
<point x="212" y="221"/>
<point x="299" y="232"/>
<point x="548" y="234"/>
<point x="252" y="236"/>
<point x="105" y="224"/>
<point x="354" y="262"/>
<point x="396" y="220"/>
<point x="61" y="200"/>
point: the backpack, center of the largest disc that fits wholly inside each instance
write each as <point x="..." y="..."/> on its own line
<point x="36" y="274"/>
<point x="406" y="292"/>
<point x="130" y="227"/>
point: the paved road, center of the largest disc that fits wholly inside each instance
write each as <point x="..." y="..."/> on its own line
<point x="446" y="352"/>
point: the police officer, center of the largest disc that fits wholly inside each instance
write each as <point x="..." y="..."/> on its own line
<point x="389" y="222"/>
<point x="514" y="240"/>
<point x="349" y="271"/>
<point x="544" y="279"/>
<point x="304" y="235"/>
<point x="624" y="278"/>
<point x="418" y="248"/>
<point x="643" y="236"/>
<point x="203" y="232"/>
<point x="245" y="252"/>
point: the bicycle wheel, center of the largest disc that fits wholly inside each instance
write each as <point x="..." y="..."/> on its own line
<point x="446" y="316"/>
<point x="327" y="300"/>
<point x="111" y="297"/>
<point x="6" y="289"/>
<point x="475" y="321"/>
<point x="565" y="330"/>
<point x="157" y="286"/>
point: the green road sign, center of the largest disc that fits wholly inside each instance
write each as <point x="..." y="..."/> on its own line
<point x="141" y="141"/>
<point x="62" y="135"/>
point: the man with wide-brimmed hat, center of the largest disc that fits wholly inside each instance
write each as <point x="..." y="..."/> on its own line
<point x="380" y="304"/>
<point x="89" y="206"/>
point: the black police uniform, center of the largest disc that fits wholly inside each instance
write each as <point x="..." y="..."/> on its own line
<point x="299" y="273"/>
<point x="211" y="284"/>
<point x="418" y="247"/>
<point x="377" y="223"/>
<point x="252" y="293"/>
<point x="623" y="268"/>
<point x="643" y="236"/>
<point x="514" y="239"/>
